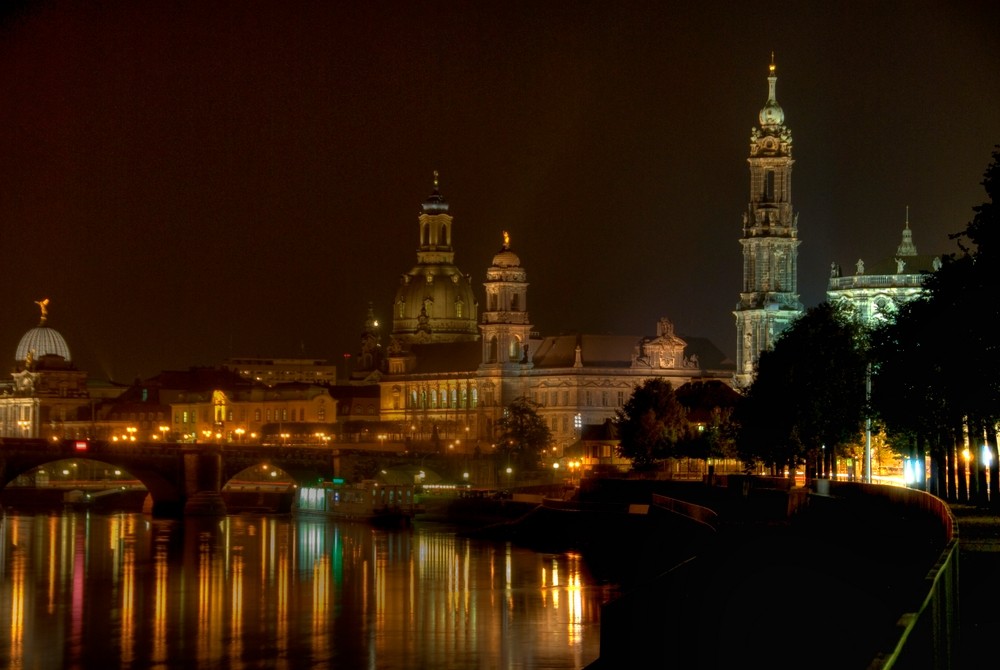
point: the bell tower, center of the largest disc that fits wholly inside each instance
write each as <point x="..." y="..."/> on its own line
<point x="505" y="327"/>
<point x="769" y="298"/>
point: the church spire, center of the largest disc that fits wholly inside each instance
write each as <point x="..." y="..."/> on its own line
<point x="771" y="114"/>
<point x="907" y="247"/>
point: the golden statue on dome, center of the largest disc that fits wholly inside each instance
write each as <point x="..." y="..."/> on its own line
<point x="43" y="304"/>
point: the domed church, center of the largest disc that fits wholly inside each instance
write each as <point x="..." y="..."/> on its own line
<point x="45" y="390"/>
<point x="449" y="371"/>
<point x="434" y="301"/>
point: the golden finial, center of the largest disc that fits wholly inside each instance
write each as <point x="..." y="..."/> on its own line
<point x="435" y="180"/>
<point x="771" y="66"/>
<point x="43" y="304"/>
<point x="506" y="239"/>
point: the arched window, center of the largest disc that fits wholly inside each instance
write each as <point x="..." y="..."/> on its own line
<point x="515" y="303"/>
<point x="769" y="186"/>
<point x="424" y="234"/>
<point x="444" y="235"/>
<point x="491" y="351"/>
<point x="515" y="350"/>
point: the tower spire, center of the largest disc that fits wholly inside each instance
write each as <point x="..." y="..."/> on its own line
<point x="907" y="247"/>
<point x="769" y="298"/>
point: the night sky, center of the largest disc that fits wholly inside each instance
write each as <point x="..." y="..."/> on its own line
<point x="191" y="181"/>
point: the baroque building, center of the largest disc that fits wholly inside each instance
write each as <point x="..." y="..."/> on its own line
<point x="440" y="383"/>
<point x="875" y="290"/>
<point x="769" y="298"/>
<point x="46" y="393"/>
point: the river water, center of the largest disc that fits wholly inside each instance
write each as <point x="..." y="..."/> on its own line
<point x="81" y="590"/>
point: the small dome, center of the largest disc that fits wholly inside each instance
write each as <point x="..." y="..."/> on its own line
<point x="40" y="341"/>
<point x="506" y="259"/>
<point x="435" y="202"/>
<point x="772" y="114"/>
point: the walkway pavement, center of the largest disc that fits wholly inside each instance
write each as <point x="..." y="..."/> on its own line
<point x="978" y="582"/>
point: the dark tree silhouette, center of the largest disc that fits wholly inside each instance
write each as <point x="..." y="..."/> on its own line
<point x="808" y="397"/>
<point x="650" y="424"/>
<point x="523" y="435"/>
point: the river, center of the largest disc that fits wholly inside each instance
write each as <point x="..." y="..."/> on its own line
<point x="82" y="590"/>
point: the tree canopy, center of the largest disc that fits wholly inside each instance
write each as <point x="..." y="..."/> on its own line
<point x="808" y="396"/>
<point x="650" y="424"/>
<point x="523" y="434"/>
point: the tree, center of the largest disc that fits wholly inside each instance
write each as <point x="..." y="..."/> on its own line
<point x="651" y="424"/>
<point x="807" y="400"/>
<point x="938" y="363"/>
<point x="709" y="409"/>
<point x="523" y="434"/>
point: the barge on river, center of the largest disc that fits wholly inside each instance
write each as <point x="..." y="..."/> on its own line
<point x="369" y="501"/>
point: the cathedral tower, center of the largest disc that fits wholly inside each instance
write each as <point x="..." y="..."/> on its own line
<point x="769" y="299"/>
<point x="435" y="301"/>
<point x="505" y="326"/>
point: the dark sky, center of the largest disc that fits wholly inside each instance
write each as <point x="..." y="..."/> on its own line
<point x="190" y="181"/>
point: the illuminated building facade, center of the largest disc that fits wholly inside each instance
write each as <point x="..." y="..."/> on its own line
<point x="769" y="298"/>
<point x="877" y="289"/>
<point x="438" y="383"/>
<point x="285" y="413"/>
<point x="46" y="393"/>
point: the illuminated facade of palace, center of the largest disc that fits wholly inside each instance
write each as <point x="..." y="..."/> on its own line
<point x="769" y="298"/>
<point x="876" y="290"/>
<point x="441" y="381"/>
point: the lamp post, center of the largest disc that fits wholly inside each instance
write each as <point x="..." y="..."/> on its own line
<point x="239" y="434"/>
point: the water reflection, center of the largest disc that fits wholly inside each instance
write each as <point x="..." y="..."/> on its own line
<point x="247" y="591"/>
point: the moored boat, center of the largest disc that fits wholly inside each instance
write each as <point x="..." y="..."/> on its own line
<point x="368" y="500"/>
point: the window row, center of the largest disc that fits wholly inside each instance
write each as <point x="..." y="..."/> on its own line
<point x="454" y="398"/>
<point x="590" y="398"/>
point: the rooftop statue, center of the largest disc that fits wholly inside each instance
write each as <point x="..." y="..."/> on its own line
<point x="43" y="304"/>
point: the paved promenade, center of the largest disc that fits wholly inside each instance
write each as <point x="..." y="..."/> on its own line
<point x="978" y="584"/>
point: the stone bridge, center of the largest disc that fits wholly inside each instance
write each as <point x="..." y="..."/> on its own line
<point x="182" y="478"/>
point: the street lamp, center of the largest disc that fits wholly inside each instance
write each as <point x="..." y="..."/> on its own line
<point x="163" y="432"/>
<point x="239" y="434"/>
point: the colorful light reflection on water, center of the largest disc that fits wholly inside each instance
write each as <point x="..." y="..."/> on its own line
<point x="256" y="591"/>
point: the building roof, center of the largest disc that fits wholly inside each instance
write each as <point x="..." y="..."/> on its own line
<point x="616" y="351"/>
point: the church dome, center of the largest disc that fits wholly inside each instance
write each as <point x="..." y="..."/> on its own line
<point x="435" y="301"/>
<point x="41" y="341"/>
